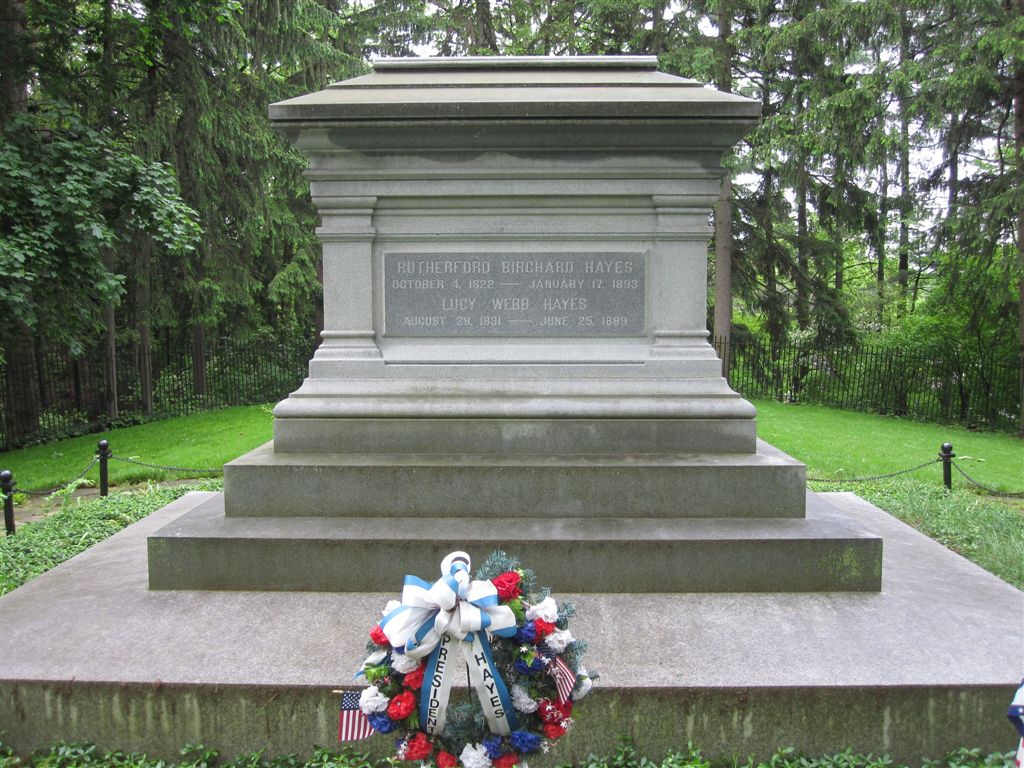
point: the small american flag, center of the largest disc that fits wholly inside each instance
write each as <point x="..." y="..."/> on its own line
<point x="352" y="723"/>
<point x="1016" y="711"/>
<point x="565" y="678"/>
<point x="1016" y="715"/>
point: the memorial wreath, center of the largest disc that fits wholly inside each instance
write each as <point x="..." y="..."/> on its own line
<point x="523" y="664"/>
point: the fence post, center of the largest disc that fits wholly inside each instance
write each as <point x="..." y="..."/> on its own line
<point x="103" y="451"/>
<point x="947" y="455"/>
<point x="7" y="489"/>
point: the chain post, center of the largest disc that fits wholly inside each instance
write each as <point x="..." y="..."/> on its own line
<point x="7" y="489"/>
<point x="946" y="455"/>
<point x="103" y="452"/>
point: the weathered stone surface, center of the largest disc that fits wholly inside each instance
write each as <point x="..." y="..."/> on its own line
<point x="264" y="483"/>
<point x="589" y="163"/>
<point x="925" y="665"/>
<point x="523" y="88"/>
<point x="514" y="436"/>
<point x="822" y="552"/>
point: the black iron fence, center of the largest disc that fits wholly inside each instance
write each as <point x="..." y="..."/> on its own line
<point x="49" y="396"/>
<point x="103" y="456"/>
<point x="53" y="395"/>
<point x="947" y="388"/>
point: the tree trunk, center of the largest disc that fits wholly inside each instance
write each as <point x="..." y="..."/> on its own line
<point x="723" y="269"/>
<point x="658" y="28"/>
<point x="903" y="102"/>
<point x="484" y="40"/>
<point x="199" y="358"/>
<point x="803" y="299"/>
<point x="14" y="59"/>
<point x="108" y="77"/>
<point x="724" y="208"/>
<point x="10" y="414"/>
<point x="881" y="231"/>
<point x="840" y="260"/>
<point x="145" y="340"/>
<point x="110" y="348"/>
<point x="318" y="310"/>
<point x="1018" y="132"/>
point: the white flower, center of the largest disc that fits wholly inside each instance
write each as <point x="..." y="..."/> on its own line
<point x="546" y="609"/>
<point x="521" y="700"/>
<point x="372" y="700"/>
<point x="475" y="756"/>
<point x="583" y="685"/>
<point x="559" y="640"/>
<point x="392" y="604"/>
<point x="403" y="664"/>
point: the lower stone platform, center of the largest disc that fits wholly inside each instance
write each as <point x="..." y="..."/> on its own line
<point x="824" y="551"/>
<point x="928" y="664"/>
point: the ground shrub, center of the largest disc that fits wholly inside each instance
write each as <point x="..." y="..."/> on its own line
<point x="39" y="546"/>
<point x="197" y="756"/>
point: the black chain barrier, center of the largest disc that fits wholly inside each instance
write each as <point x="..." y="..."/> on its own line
<point x="922" y="465"/>
<point x="66" y="485"/>
<point x="992" y="491"/>
<point x="126" y="460"/>
<point x="103" y="455"/>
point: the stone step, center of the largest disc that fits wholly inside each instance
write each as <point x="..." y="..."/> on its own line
<point x="514" y="437"/>
<point x="923" y="667"/>
<point x="204" y="549"/>
<point x="766" y="484"/>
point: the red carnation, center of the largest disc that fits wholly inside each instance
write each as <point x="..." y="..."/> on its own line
<point x="505" y="761"/>
<point x="401" y="706"/>
<point x="446" y="760"/>
<point x="553" y="731"/>
<point x="543" y="628"/>
<point x="414" y="680"/>
<point x="377" y="635"/>
<point x="507" y="585"/>
<point x="418" y="747"/>
<point x="548" y="712"/>
<point x="565" y="707"/>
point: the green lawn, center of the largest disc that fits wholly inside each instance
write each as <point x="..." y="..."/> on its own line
<point x="848" y="444"/>
<point x="834" y="444"/>
<point x="200" y="441"/>
<point x="842" y="444"/>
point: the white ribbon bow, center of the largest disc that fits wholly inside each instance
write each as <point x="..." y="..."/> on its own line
<point x="455" y="605"/>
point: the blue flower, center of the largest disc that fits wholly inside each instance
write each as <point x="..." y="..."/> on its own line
<point x="493" y="747"/>
<point x="527" y="633"/>
<point x="381" y="722"/>
<point x="524" y="741"/>
<point x="523" y="668"/>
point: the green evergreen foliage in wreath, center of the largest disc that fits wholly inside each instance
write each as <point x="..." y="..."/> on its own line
<point x="530" y="662"/>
